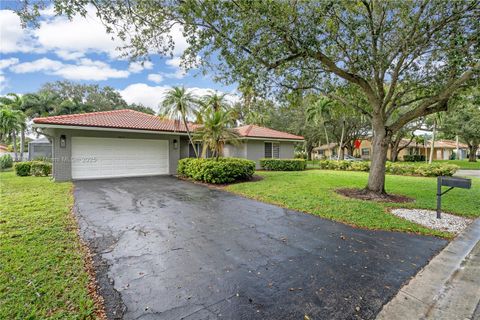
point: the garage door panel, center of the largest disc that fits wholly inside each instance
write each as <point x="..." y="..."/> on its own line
<point x="113" y="157"/>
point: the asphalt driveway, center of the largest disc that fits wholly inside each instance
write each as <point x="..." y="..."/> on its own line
<point x="170" y="249"/>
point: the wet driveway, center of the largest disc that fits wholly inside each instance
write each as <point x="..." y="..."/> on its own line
<point x="169" y="249"/>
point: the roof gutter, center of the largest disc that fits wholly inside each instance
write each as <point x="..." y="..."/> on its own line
<point x="58" y="126"/>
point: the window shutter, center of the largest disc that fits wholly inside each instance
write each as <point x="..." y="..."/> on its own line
<point x="268" y="149"/>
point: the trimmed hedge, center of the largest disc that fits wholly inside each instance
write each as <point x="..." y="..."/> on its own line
<point x="40" y="169"/>
<point x="6" y="161"/>
<point x="223" y="170"/>
<point x="424" y="170"/>
<point x="33" y="168"/>
<point x="283" y="164"/>
<point x="413" y="158"/>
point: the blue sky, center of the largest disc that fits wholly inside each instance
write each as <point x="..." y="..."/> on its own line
<point x="81" y="51"/>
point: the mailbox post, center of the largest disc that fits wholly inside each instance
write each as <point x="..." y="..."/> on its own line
<point x="452" y="182"/>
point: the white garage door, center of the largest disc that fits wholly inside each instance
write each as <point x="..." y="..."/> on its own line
<point x="110" y="157"/>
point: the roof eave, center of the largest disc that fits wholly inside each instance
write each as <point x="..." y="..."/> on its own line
<point x="98" y="128"/>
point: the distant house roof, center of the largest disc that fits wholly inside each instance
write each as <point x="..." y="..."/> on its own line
<point x="253" y="131"/>
<point x="329" y="146"/>
<point x="3" y="147"/>
<point x="135" y="120"/>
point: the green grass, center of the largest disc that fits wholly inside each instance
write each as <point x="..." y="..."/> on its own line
<point x="463" y="164"/>
<point x="312" y="191"/>
<point x="42" y="272"/>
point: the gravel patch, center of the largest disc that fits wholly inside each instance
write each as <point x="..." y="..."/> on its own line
<point x="428" y="218"/>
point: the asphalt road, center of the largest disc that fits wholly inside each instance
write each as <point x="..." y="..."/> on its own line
<point x="170" y="249"/>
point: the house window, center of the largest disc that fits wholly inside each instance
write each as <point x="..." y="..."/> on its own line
<point x="191" y="150"/>
<point x="272" y="150"/>
<point x="365" y="151"/>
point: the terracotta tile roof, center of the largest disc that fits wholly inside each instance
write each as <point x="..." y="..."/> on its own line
<point x="124" y="119"/>
<point x="253" y="131"/>
<point x="131" y="119"/>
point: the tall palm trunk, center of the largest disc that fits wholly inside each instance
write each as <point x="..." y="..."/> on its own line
<point x="22" y="143"/>
<point x="432" y="146"/>
<point x="340" y="150"/>
<point x="14" y="138"/>
<point x="326" y="133"/>
<point x="190" y="136"/>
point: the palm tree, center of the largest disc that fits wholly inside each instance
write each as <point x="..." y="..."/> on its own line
<point x="178" y="104"/>
<point x="216" y="131"/>
<point x="437" y="119"/>
<point x="41" y="104"/>
<point x="11" y="121"/>
<point x="214" y="101"/>
<point x="16" y="103"/>
<point x="319" y="112"/>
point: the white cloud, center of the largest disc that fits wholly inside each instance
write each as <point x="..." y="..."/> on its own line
<point x="75" y="37"/>
<point x="43" y="64"/>
<point x="85" y="69"/>
<point x="136" y="67"/>
<point x="13" y="38"/>
<point x="155" y="77"/>
<point x="144" y="94"/>
<point x="69" y="39"/>
<point x="6" y="63"/>
<point x="152" y="96"/>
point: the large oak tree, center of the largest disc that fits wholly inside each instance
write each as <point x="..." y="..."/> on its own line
<point x="407" y="58"/>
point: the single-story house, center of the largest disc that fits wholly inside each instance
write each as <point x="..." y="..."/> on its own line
<point x="443" y="150"/>
<point x="126" y="143"/>
<point x="40" y="148"/>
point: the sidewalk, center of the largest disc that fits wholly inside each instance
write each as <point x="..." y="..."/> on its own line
<point x="447" y="288"/>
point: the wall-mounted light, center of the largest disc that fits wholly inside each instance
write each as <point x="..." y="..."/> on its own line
<point x="175" y="144"/>
<point x="63" y="141"/>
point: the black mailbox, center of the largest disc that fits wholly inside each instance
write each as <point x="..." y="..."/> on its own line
<point x="452" y="182"/>
<point x="455" y="182"/>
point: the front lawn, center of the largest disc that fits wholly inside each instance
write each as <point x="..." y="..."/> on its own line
<point x="313" y="191"/>
<point x="42" y="273"/>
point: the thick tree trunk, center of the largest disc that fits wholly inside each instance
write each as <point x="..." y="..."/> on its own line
<point x="472" y="157"/>
<point x="376" y="177"/>
<point x="22" y="143"/>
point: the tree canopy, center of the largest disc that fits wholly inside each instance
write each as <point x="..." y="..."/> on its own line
<point x="405" y="58"/>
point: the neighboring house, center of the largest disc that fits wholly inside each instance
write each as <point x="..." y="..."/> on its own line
<point x="40" y="148"/>
<point x="443" y="150"/>
<point x="126" y="143"/>
<point x="3" y="149"/>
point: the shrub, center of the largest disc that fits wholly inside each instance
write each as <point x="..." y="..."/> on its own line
<point x="283" y="164"/>
<point x="360" y="166"/>
<point x="300" y="155"/>
<point x="225" y="170"/>
<point x="6" y="161"/>
<point x="22" y="169"/>
<point x="435" y="170"/>
<point x="413" y="157"/>
<point x="399" y="168"/>
<point x="40" y="168"/>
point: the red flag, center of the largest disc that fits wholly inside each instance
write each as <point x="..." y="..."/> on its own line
<point x="357" y="144"/>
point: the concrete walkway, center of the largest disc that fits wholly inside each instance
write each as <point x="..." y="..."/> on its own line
<point x="447" y="288"/>
<point x="468" y="173"/>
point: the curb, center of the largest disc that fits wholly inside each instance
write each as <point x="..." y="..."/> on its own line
<point x="447" y="288"/>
